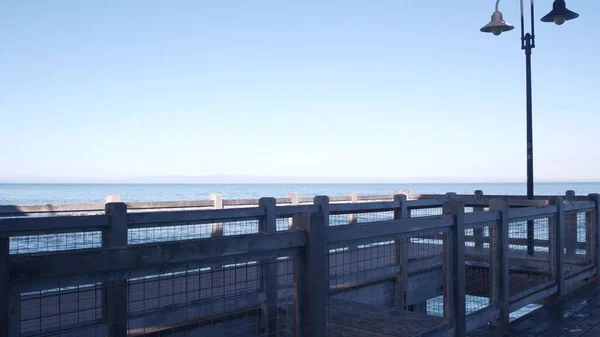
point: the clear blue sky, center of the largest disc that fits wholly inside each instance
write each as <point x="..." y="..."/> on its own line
<point x="403" y="89"/>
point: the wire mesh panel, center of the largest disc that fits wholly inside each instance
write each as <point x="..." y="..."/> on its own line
<point x="392" y="287"/>
<point x="245" y="298"/>
<point x="68" y="311"/>
<point x="177" y="232"/>
<point x="241" y="299"/>
<point x="54" y="242"/>
<point x="345" y="219"/>
<point x="284" y="223"/>
<point x="530" y="271"/>
<point x="420" y="212"/>
<point x="579" y="236"/>
<point x="479" y="253"/>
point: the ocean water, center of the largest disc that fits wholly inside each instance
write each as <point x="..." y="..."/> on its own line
<point x="19" y="194"/>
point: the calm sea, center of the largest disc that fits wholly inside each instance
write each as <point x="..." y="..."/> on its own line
<point x="11" y="194"/>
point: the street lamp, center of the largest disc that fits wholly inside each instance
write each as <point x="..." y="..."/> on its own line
<point x="496" y="26"/>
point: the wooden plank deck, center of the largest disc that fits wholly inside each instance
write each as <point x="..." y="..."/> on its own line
<point x="575" y="315"/>
<point x="353" y="319"/>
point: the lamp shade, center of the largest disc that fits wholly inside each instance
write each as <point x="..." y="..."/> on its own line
<point x="497" y="25"/>
<point x="559" y="13"/>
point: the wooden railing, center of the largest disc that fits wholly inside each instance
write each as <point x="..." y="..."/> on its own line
<point x="296" y="266"/>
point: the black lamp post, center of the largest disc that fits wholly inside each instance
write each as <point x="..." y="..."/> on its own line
<point x="496" y="26"/>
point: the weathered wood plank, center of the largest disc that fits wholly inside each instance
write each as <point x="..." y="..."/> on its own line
<point x="52" y="224"/>
<point x="456" y="273"/>
<point x="10" y="210"/>
<point x="218" y="215"/>
<point x="365" y="207"/>
<point x="559" y="244"/>
<point x="478" y="232"/>
<point x="426" y="203"/>
<point x="401" y="290"/>
<point x="481" y="217"/>
<point x="595" y="197"/>
<point x="115" y="236"/>
<point x="502" y="237"/>
<point x="268" y="275"/>
<point x="533" y="298"/>
<point x="317" y="265"/>
<point x="528" y="213"/>
<point x="283" y="211"/>
<point x="579" y="206"/>
<point x="138" y="257"/>
<point x="4" y="286"/>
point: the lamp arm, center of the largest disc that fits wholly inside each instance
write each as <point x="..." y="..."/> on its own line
<point x="523" y="24"/>
<point x="497" y="4"/>
<point x="532" y="25"/>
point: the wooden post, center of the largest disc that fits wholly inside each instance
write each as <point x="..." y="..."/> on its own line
<point x="353" y="218"/>
<point x="478" y="232"/>
<point x="401" y="255"/>
<point x="314" y="302"/>
<point x="494" y="264"/>
<point x="268" y="224"/>
<point x="552" y="251"/>
<point x="300" y="282"/>
<point x="501" y="268"/>
<point x="570" y="226"/>
<point x="590" y="225"/>
<point x="455" y="297"/>
<point x="294" y="201"/>
<point x="217" y="228"/>
<point x="116" y="291"/>
<point x="559" y="245"/>
<point x="595" y="197"/>
<point x="4" y="285"/>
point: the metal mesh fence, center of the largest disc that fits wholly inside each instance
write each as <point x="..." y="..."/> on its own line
<point x="346" y="219"/>
<point x="284" y="224"/>
<point x="54" y="242"/>
<point x="530" y="271"/>
<point x="372" y="291"/>
<point x="478" y="259"/>
<point x="420" y="212"/>
<point x="579" y="236"/>
<point x="190" y="231"/>
<point x="72" y="311"/>
<point x="249" y="298"/>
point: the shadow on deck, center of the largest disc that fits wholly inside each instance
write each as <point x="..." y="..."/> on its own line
<point x="576" y="314"/>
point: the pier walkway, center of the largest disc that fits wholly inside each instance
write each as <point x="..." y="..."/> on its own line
<point x="575" y="315"/>
<point x="387" y="265"/>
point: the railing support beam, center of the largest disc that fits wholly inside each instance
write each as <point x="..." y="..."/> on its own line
<point x="455" y="297"/>
<point x="502" y="293"/>
<point x="116" y="291"/>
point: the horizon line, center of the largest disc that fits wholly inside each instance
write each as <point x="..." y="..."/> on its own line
<point x="287" y="183"/>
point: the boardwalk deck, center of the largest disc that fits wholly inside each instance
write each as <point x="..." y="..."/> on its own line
<point x="575" y="315"/>
<point x="352" y="319"/>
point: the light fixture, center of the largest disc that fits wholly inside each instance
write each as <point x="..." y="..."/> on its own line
<point x="497" y="25"/>
<point x="559" y="13"/>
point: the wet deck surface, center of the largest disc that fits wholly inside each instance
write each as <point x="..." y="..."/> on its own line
<point x="577" y="314"/>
